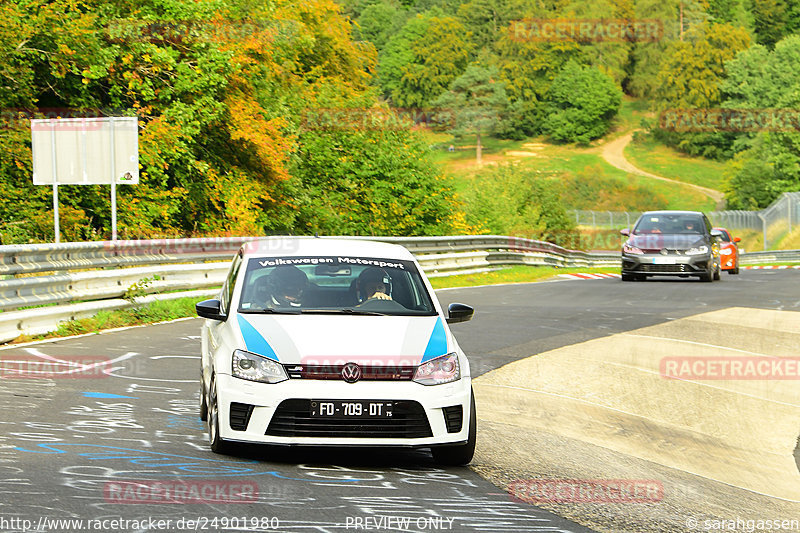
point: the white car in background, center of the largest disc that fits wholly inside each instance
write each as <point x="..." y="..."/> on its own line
<point x="334" y="342"/>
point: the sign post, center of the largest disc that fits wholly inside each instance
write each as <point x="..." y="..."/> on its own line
<point x="85" y="151"/>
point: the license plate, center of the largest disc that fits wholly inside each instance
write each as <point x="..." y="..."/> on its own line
<point x="350" y="409"/>
<point x="663" y="261"/>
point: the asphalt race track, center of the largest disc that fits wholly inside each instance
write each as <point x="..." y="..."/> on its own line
<point x="126" y="451"/>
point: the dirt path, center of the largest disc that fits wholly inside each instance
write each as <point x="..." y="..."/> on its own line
<point x="613" y="153"/>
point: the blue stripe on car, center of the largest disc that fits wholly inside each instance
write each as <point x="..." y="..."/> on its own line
<point x="437" y="344"/>
<point x="254" y="341"/>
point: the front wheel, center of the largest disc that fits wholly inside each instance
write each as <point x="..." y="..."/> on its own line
<point x="460" y="454"/>
<point x="217" y="444"/>
<point x="716" y="273"/>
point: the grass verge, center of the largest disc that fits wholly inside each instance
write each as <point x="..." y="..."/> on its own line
<point x="662" y="160"/>
<point x="158" y="311"/>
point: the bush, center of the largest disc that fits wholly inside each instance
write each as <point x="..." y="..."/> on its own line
<point x="511" y="201"/>
<point x="580" y="104"/>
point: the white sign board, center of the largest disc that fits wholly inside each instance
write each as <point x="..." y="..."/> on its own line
<point x="85" y="151"/>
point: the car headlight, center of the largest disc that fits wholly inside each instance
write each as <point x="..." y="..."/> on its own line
<point x="254" y="367"/>
<point x="697" y="250"/>
<point x="628" y="249"/>
<point x="726" y="251"/>
<point x="444" y="369"/>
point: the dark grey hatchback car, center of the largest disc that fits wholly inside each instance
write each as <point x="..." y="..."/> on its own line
<point x="671" y="243"/>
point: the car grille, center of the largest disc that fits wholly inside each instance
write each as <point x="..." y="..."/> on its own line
<point x="293" y="418"/>
<point x="240" y="416"/>
<point x="665" y="268"/>
<point x="453" y="418"/>
<point x="373" y="373"/>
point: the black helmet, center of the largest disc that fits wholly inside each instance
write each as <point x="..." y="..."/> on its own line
<point x="373" y="275"/>
<point x="287" y="284"/>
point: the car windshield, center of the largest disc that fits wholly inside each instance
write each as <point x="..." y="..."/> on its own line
<point x="669" y="224"/>
<point x="334" y="285"/>
<point x="724" y="237"/>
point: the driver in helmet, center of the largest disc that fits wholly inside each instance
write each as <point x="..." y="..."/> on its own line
<point x="374" y="284"/>
<point x="286" y="286"/>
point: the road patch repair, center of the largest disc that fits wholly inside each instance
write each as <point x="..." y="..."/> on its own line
<point x="697" y="419"/>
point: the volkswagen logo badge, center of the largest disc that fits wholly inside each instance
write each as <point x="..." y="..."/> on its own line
<point x="351" y="372"/>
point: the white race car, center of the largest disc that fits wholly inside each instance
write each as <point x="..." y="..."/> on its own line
<point x="334" y="342"/>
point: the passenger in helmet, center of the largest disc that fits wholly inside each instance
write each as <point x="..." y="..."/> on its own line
<point x="374" y="283"/>
<point x="286" y="286"/>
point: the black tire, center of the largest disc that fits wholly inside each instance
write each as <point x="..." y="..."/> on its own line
<point x="707" y="276"/>
<point x="716" y="274"/>
<point x="460" y="454"/>
<point x="217" y="443"/>
<point x="203" y="403"/>
<point x="735" y="270"/>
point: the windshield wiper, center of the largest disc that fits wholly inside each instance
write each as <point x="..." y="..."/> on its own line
<point x="269" y="311"/>
<point x="344" y="311"/>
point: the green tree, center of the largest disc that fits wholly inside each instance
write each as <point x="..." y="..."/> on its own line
<point x="474" y="102"/>
<point x="768" y="162"/>
<point x="774" y="19"/>
<point x="375" y="180"/>
<point x="581" y="103"/>
<point x="380" y="21"/>
<point x="421" y="61"/>
<point x="646" y="55"/>
<point x="690" y="77"/>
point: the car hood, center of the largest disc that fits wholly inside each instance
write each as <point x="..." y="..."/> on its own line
<point x="338" y="339"/>
<point x="658" y="241"/>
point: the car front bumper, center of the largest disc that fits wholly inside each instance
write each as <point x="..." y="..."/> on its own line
<point x="666" y="265"/>
<point x="279" y="413"/>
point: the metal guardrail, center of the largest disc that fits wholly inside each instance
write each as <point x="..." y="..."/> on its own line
<point x="95" y="273"/>
<point x="773" y="256"/>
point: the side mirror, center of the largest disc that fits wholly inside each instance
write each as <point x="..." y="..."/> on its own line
<point x="210" y="309"/>
<point x="626" y="232"/>
<point x="459" y="313"/>
<point x="737" y="239"/>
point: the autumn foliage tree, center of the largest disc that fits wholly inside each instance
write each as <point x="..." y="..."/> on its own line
<point x="221" y="89"/>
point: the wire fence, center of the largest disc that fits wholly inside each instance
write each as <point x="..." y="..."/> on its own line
<point x="775" y="222"/>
